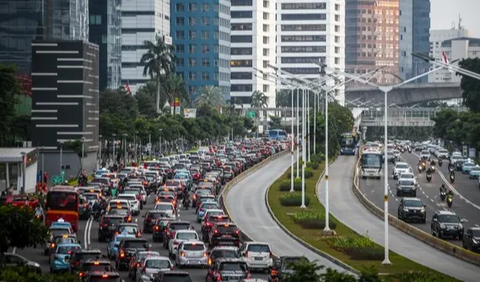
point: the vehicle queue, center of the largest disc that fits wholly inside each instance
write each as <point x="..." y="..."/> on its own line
<point x="115" y="198"/>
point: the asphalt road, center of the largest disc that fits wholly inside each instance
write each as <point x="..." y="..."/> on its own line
<point x="345" y="206"/>
<point x="246" y="204"/>
<point x="428" y="192"/>
<point x="90" y="234"/>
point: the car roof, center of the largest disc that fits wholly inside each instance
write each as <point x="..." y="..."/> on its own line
<point x="179" y="222"/>
<point x="444" y="212"/>
<point x="88" y="251"/>
<point x="157" y="257"/>
<point x="225" y="248"/>
<point x="230" y="260"/>
<point x="402" y="163"/>
<point x="257" y="243"/>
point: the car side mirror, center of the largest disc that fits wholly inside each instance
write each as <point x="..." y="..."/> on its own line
<point x="424" y="205"/>
<point x="435" y="220"/>
<point x="462" y="220"/>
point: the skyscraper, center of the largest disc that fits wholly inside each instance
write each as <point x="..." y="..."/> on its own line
<point x="201" y="36"/>
<point x="310" y="30"/>
<point x="414" y="38"/>
<point x="371" y="38"/>
<point x="66" y="19"/>
<point x="142" y="20"/>
<point x="105" y="31"/>
<point x="253" y="47"/>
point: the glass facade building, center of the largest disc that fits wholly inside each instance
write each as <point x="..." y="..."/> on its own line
<point x="201" y="35"/>
<point x="66" y="19"/>
<point x="105" y="20"/>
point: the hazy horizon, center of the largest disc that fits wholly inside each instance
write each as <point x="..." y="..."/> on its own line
<point x="446" y="12"/>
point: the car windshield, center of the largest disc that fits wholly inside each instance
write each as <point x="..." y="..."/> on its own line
<point x="215" y="213"/>
<point x="406" y="183"/>
<point x="449" y="218"/>
<point x="412" y="203"/>
<point x="131" y="192"/>
<point x="258" y="248"/>
<point x="177" y="278"/>
<point x="194" y="247"/>
<point x="136" y="245"/>
<point x="425" y="153"/>
<point x="407" y="176"/>
<point x="86" y="256"/>
<point x="60" y="240"/>
<point x="112" y="220"/>
<point x="67" y="249"/>
<point x="128" y="228"/>
<point x="126" y="197"/>
<point x="179" y="226"/>
<point x="224" y="254"/>
<point x="186" y="235"/>
<point x="59" y="232"/>
<point x="402" y="166"/>
<point x="143" y="255"/>
<point x="118" y="211"/>
<point x="468" y="164"/>
<point x="226" y="228"/>
<point x="475" y="169"/>
<point x="233" y="266"/>
<point x="90" y="197"/>
<point x="90" y="267"/>
<point x="163" y="207"/>
<point x="210" y="206"/>
<point x="476" y="233"/>
<point x="157" y="263"/>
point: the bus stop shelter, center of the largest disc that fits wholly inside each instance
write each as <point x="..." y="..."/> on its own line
<point x="18" y="167"/>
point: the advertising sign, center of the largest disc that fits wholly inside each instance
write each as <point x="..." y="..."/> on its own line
<point x="190" y="113"/>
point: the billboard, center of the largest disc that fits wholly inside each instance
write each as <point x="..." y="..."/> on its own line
<point x="190" y="113"/>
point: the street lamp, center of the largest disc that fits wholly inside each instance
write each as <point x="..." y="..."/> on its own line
<point x="160" y="142"/>
<point x="135" y="145"/>
<point x="43" y="166"/>
<point x="24" y="171"/>
<point x="83" y="153"/>
<point x="99" y="163"/>
<point x="124" y="149"/>
<point x="114" y="156"/>
<point x="385" y="90"/>
<point x="61" y="156"/>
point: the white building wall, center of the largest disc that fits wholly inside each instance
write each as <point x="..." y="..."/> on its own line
<point x="141" y="20"/>
<point x="326" y="33"/>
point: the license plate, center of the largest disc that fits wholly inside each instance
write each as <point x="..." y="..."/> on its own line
<point x="258" y="258"/>
<point x="193" y="262"/>
<point x="111" y="228"/>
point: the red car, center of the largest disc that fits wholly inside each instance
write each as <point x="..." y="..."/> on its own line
<point x="21" y="201"/>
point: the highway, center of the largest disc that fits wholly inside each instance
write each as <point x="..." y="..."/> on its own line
<point x="345" y="206"/>
<point x="246" y="204"/>
<point x="90" y="234"/>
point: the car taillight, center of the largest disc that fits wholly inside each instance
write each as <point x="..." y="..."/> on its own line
<point x="52" y="245"/>
<point x="81" y="274"/>
<point x="139" y="234"/>
<point x="273" y="272"/>
<point x="237" y="231"/>
<point x="209" y="224"/>
<point x="215" y="231"/>
<point x="205" y="254"/>
<point x="171" y="267"/>
<point x="157" y="228"/>
<point x="249" y="274"/>
<point x="138" y="264"/>
<point x="182" y="254"/>
<point x="219" y="276"/>
<point x="103" y="225"/>
<point x="172" y="233"/>
<point x="122" y="254"/>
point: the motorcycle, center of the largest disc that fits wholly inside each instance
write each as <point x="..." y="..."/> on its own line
<point x="440" y="162"/>
<point x="450" y="200"/>
<point x="186" y="202"/>
<point x="429" y="177"/>
<point x="432" y="168"/>
<point x="420" y="169"/>
<point x="443" y="194"/>
<point x="452" y="178"/>
<point x="409" y="150"/>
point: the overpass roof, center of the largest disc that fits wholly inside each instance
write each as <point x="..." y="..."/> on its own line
<point x="356" y="112"/>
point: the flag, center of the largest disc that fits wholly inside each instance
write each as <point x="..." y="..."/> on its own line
<point x="445" y="61"/>
<point x="127" y="87"/>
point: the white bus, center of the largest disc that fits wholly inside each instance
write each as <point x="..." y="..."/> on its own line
<point x="371" y="164"/>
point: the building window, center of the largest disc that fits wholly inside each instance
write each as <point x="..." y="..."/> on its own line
<point x="205" y="21"/>
<point x="180" y="49"/>
<point x="192" y="75"/>
<point x="215" y="76"/>
<point x="337" y="28"/>
<point x="241" y="75"/>
<point x="180" y="7"/>
<point x="241" y="88"/>
<point x="192" y="21"/>
<point x="337" y="18"/>
<point x="205" y="34"/>
<point x="302" y="70"/>
<point x="337" y="7"/>
<point x="205" y="48"/>
<point x="215" y="35"/>
<point x="192" y="34"/>
<point x="337" y="50"/>
<point x="191" y="90"/>
<point x="215" y="49"/>
<point x="303" y="49"/>
<point x="337" y="61"/>
<point x="205" y="7"/>
<point x="304" y="6"/>
<point x="192" y="48"/>
<point x="241" y="39"/>
<point x="241" y="14"/>
<point x="180" y="21"/>
<point x="241" y="26"/>
<point x="300" y="60"/>
<point x="215" y="7"/>
<point x="179" y="34"/>
<point x="304" y="38"/>
<point x="95" y="20"/>
<point x="304" y="27"/>
<point x="192" y="62"/>
<point x="205" y="62"/>
<point x="241" y="63"/>
<point x="265" y="88"/>
<point x="192" y="7"/>
<point x="205" y="76"/>
<point x="241" y="51"/>
<point x="242" y="2"/>
<point x="303" y="17"/>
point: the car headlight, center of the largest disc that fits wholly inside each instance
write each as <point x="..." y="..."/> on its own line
<point x="405" y="209"/>
<point x="36" y="264"/>
<point x="442" y="226"/>
<point x="475" y="241"/>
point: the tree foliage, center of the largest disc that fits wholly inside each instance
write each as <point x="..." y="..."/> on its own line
<point x="471" y="86"/>
<point x="118" y="112"/>
<point x="9" y="86"/>
<point x="458" y="127"/>
<point x="19" y="229"/>
<point x="212" y="96"/>
<point x="24" y="274"/>
<point x="259" y="100"/>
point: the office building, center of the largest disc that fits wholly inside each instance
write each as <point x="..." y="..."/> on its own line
<point x="141" y="20"/>
<point x="105" y="22"/>
<point x="310" y="30"/>
<point x="455" y="49"/>
<point x="201" y="36"/>
<point x="414" y="36"/>
<point x="253" y="47"/>
<point x="65" y="102"/>
<point x="371" y="38"/>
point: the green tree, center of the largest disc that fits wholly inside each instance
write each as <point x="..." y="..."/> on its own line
<point x="471" y="86"/>
<point x="275" y="122"/>
<point x="24" y="274"/>
<point x="118" y="112"/>
<point x="211" y="96"/>
<point x="145" y="98"/>
<point x="158" y="60"/>
<point x="9" y="86"/>
<point x="259" y="100"/>
<point x="19" y="229"/>
<point x="175" y="88"/>
<point x="283" y="98"/>
<point x="304" y="270"/>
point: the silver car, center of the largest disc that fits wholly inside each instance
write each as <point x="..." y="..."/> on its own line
<point x="151" y="265"/>
<point x="192" y="253"/>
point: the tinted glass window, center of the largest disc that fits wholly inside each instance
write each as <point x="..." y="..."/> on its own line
<point x="449" y="218"/>
<point x="259" y="248"/>
<point x="59" y="232"/>
<point x="413" y="203"/>
<point x="192" y="247"/>
<point x="67" y="250"/>
<point x="224" y="228"/>
<point x="224" y="254"/>
<point x="157" y="263"/>
<point x="406" y="182"/>
<point x="179" y="226"/>
<point x="136" y="245"/>
<point x="186" y="236"/>
<point x="476" y="232"/>
<point x="110" y="220"/>
<point x="233" y="266"/>
<point x="86" y="256"/>
<point x="177" y="278"/>
<point x="100" y="267"/>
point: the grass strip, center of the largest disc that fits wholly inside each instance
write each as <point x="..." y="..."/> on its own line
<point x="314" y="236"/>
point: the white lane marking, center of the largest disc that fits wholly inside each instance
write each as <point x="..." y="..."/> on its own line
<point x="464" y="219"/>
<point x="86" y="234"/>
<point x="14" y="250"/>
<point x="432" y="200"/>
<point x="373" y="191"/>
<point x="427" y="196"/>
<point x="477" y="225"/>
<point x="438" y="205"/>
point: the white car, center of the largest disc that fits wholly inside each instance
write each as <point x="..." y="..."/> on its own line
<point x="257" y="255"/>
<point x="151" y="265"/>
<point x="425" y="154"/>
<point x="408" y="176"/>
<point x="181" y="236"/>
<point x="168" y="208"/>
<point x="396" y="153"/>
<point x="400" y="167"/>
<point x="134" y="203"/>
<point x="442" y="153"/>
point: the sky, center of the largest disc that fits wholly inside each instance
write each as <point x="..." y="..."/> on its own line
<point x="445" y="12"/>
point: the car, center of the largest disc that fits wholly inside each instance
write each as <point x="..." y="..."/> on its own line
<point x="191" y="253"/>
<point x="447" y="223"/>
<point x="129" y="228"/>
<point x="101" y="276"/>
<point x="165" y="207"/>
<point x="169" y="276"/>
<point x="84" y="208"/>
<point x="134" y="203"/>
<point x="222" y="252"/>
<point x="467" y="166"/>
<point x="282" y="268"/>
<point x="124" y="212"/>
<point x="257" y="255"/>
<point x="60" y="223"/>
<point x="134" y="263"/>
<point x="211" y="212"/>
<point x="172" y="227"/>
<point x="61" y="239"/>
<point x="412" y="209"/>
<point x="127" y="249"/>
<point x="225" y="233"/>
<point x="180" y="236"/>
<point x="399" y="168"/>
<point x="228" y="269"/>
<point x="442" y="153"/>
<point x="9" y="259"/>
<point x="204" y="207"/>
<point x="107" y="226"/>
<point x="425" y="154"/>
<point x="150" y="218"/>
<point x="112" y="247"/>
<point x="471" y="239"/>
<point x="151" y="265"/>
<point x="92" y="265"/>
<point x="474" y="172"/>
<point x="82" y="255"/>
<point x="406" y="187"/>
<point x="158" y="234"/>
<point x="60" y="260"/>
<point x="408" y="176"/>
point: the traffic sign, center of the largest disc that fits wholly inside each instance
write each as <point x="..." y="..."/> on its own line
<point x="250" y="114"/>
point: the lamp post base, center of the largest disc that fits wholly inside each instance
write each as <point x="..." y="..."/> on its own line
<point x="328" y="233"/>
<point x="386" y="262"/>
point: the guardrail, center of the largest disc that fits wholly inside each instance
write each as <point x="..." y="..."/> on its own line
<point x="418" y="234"/>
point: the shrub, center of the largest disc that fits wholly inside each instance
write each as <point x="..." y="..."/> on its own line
<point x="285" y="185"/>
<point x="418" y="276"/>
<point x="312" y="220"/>
<point x="318" y="158"/>
<point x="313" y="165"/>
<point x="308" y="172"/>
<point x="357" y="247"/>
<point x="293" y="199"/>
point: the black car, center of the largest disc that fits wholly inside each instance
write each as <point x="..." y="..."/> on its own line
<point x="224" y="233"/>
<point x="227" y="269"/>
<point x="103" y="276"/>
<point x="158" y="233"/>
<point x="222" y="252"/>
<point x="447" y="223"/>
<point x="406" y="187"/>
<point x="83" y="255"/>
<point x="107" y="226"/>
<point x="172" y="276"/>
<point x="93" y="265"/>
<point x="150" y="218"/>
<point x="282" y="268"/>
<point x="84" y="208"/>
<point x="127" y="249"/>
<point x="471" y="239"/>
<point x="412" y="209"/>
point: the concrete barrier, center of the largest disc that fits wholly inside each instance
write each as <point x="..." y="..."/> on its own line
<point x="411" y="230"/>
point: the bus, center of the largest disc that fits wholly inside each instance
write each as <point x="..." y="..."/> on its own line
<point x="348" y="143"/>
<point x="371" y="164"/>
<point x="62" y="203"/>
<point x="277" y="134"/>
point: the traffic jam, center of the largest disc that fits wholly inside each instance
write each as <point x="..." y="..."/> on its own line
<point x="159" y="221"/>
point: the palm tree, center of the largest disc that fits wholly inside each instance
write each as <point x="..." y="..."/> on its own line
<point x="211" y="95"/>
<point x="259" y="100"/>
<point x="174" y="86"/>
<point x="158" y="59"/>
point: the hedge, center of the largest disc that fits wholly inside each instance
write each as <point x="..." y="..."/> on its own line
<point x="308" y="173"/>
<point x="312" y="220"/>
<point x="313" y="165"/>
<point x="285" y="185"/>
<point x="357" y="247"/>
<point x="293" y="199"/>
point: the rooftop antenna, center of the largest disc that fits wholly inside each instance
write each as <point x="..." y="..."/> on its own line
<point x="460" y="22"/>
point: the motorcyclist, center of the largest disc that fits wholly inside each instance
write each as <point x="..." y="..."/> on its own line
<point x="432" y="162"/>
<point x="97" y="209"/>
<point x="186" y="198"/>
<point x="38" y="211"/>
<point x="429" y="171"/>
<point x="442" y="188"/>
<point x="450" y="193"/>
